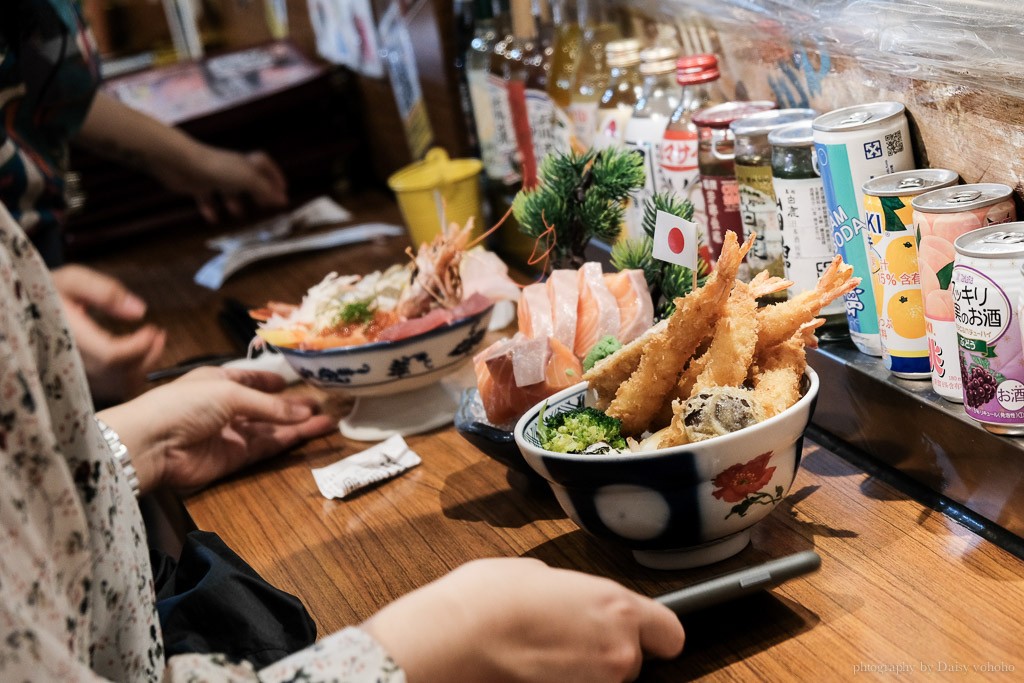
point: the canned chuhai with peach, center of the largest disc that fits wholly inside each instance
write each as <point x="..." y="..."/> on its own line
<point x="986" y="285"/>
<point x="940" y="217"/>
<point x="892" y="255"/>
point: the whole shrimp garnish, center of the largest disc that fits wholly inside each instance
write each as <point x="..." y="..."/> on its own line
<point x="435" y="276"/>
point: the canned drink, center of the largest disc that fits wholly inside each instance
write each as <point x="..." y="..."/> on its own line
<point x="853" y="145"/>
<point x="986" y="287"/>
<point x="758" y="210"/>
<point x="807" y="246"/>
<point x="940" y="217"/>
<point x="895" y="276"/>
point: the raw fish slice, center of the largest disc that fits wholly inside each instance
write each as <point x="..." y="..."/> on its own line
<point x="414" y="326"/>
<point x="534" y="311"/>
<point x="504" y="401"/>
<point x="471" y="305"/>
<point x="597" y="314"/>
<point x="564" y="293"/>
<point x="529" y="360"/>
<point x="485" y="273"/>
<point x="636" y="310"/>
<point x="494" y="375"/>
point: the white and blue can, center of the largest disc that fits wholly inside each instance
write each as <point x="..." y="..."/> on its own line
<point x="853" y="145"/>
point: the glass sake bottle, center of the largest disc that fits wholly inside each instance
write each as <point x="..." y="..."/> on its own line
<point x="625" y="86"/>
<point x="646" y="127"/>
<point x="698" y="75"/>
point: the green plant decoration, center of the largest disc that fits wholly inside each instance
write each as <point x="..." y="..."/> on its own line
<point x="579" y="197"/>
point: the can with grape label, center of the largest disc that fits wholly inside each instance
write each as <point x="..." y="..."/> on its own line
<point x="853" y="145"/>
<point x="986" y="286"/>
<point x="895" y="276"/>
<point x="940" y="216"/>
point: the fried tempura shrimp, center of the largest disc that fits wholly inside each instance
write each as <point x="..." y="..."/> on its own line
<point x="779" y="322"/>
<point x="732" y="350"/>
<point x="777" y="384"/>
<point x="610" y="372"/>
<point x="639" y="397"/>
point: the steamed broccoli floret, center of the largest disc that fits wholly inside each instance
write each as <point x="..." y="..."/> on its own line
<point x="605" y="347"/>
<point x="574" y="430"/>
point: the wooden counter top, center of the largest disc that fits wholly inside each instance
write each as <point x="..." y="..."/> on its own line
<point x="902" y="588"/>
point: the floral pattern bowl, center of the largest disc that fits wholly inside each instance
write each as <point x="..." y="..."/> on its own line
<point x="390" y="367"/>
<point x="678" y="507"/>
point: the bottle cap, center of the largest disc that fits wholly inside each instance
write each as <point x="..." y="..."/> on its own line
<point x="623" y="52"/>
<point x="696" y="69"/>
<point x="721" y="115"/>
<point x="658" y="60"/>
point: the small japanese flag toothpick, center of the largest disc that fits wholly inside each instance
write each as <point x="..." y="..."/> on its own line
<point x="675" y="240"/>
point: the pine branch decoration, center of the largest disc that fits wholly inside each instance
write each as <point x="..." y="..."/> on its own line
<point x="579" y="197"/>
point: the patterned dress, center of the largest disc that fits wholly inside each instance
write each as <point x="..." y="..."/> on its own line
<point x="76" y="593"/>
<point x="49" y="73"/>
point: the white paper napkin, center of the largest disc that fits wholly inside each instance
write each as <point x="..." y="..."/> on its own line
<point x="385" y="460"/>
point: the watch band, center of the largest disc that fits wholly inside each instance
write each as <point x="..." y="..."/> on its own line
<point x="120" y="454"/>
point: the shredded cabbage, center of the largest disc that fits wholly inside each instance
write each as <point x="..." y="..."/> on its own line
<point x="323" y="304"/>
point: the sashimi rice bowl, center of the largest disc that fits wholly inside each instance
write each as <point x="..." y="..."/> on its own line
<point x="675" y="443"/>
<point x="395" y="330"/>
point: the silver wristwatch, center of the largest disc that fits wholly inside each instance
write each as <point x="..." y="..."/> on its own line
<point x="120" y="453"/>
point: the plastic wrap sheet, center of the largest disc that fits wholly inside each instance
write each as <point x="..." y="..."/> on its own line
<point x="978" y="43"/>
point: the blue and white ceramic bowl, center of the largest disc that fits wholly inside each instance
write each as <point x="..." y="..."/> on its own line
<point x="678" y="507"/>
<point x="392" y="367"/>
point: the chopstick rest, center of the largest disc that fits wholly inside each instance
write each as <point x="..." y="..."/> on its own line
<point x="387" y="459"/>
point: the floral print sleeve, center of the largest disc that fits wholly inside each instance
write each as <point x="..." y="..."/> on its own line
<point x="76" y="593"/>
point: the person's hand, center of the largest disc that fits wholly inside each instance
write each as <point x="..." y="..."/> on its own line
<point x="221" y="180"/>
<point x="520" y="620"/>
<point x="115" y="365"/>
<point x="209" y="423"/>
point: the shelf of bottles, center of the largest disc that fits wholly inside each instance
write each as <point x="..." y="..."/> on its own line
<point x="570" y="75"/>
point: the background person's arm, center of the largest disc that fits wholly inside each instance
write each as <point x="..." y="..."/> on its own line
<point x="182" y="163"/>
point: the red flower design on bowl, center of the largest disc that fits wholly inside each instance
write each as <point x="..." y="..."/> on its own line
<point x="739" y="481"/>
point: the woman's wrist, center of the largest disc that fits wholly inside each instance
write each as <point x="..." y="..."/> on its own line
<point x="119" y="452"/>
<point x="143" y="449"/>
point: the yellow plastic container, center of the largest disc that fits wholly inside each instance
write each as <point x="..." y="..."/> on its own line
<point x="436" y="187"/>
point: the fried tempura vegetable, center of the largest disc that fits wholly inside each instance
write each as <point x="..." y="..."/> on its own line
<point x="719" y="410"/>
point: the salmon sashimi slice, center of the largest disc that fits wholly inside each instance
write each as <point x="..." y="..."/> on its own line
<point x="563" y="370"/>
<point x="534" y="311"/>
<point x="494" y="376"/>
<point x="636" y="310"/>
<point x="597" y="313"/>
<point x="504" y="401"/>
<point x="564" y="294"/>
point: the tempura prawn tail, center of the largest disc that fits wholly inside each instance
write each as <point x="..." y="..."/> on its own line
<point x="807" y="332"/>
<point x="835" y="282"/>
<point x="764" y="284"/>
<point x="638" y="398"/>
<point x="779" y="322"/>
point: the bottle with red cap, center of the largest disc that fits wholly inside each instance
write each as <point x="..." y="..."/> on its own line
<point x="699" y="76"/>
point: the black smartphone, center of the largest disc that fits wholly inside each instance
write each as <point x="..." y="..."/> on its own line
<point x="739" y="583"/>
